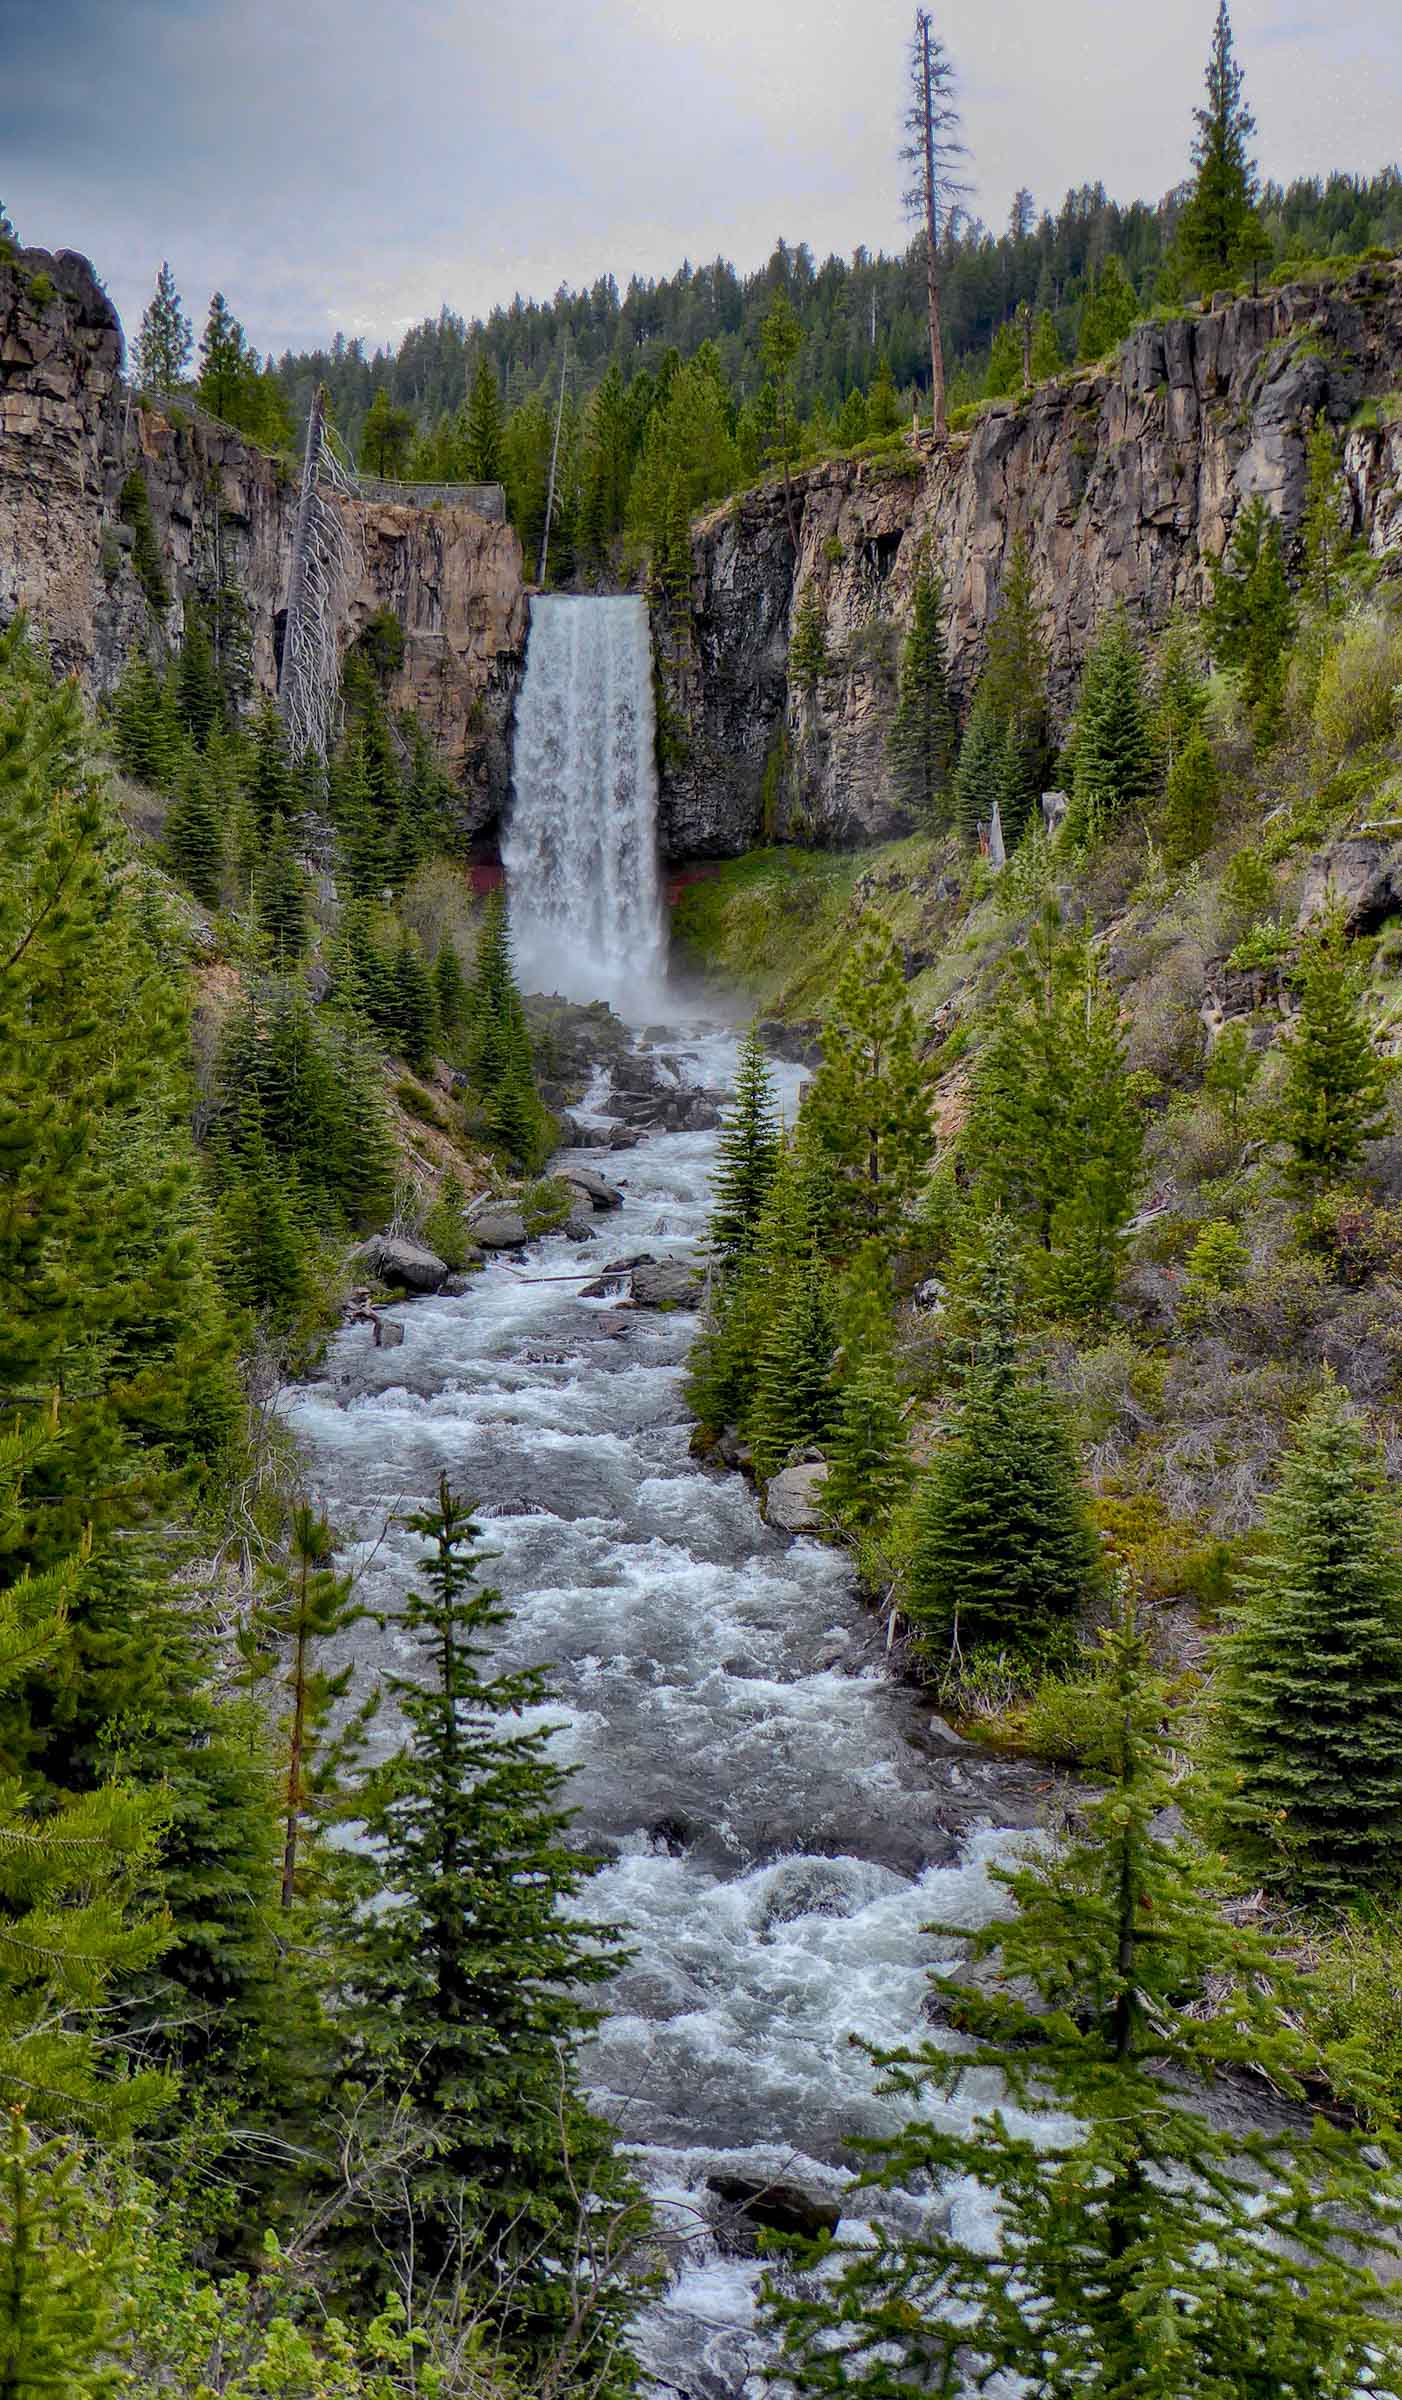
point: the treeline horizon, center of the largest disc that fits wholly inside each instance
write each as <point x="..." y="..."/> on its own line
<point x="854" y="312"/>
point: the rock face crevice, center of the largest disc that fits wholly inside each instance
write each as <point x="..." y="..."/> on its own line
<point x="1124" y="482"/>
<point x="223" y="511"/>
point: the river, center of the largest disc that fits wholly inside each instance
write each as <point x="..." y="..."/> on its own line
<point x="779" y="1815"/>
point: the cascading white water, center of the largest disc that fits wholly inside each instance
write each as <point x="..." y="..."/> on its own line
<point x="581" y="843"/>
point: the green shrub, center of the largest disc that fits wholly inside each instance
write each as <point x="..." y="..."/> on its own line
<point x="1356" y="1988"/>
<point x="1069" y="1720"/>
<point x="546" y="1203"/>
<point x="1357" y="699"/>
<point x="418" y="1103"/>
<point x="1355" y="1236"/>
<point x="1217" y="1262"/>
<point x="43" y="291"/>
<point x="445" y="1226"/>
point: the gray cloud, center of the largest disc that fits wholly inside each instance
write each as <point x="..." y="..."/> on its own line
<point x="359" y="162"/>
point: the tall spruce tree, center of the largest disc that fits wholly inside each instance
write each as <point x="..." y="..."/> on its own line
<point x="280" y="898"/>
<point x="1251" y="617"/>
<point x="1003" y="1551"/>
<point x="1114" y="755"/>
<point x="1055" y="1131"/>
<point x="1335" y="1082"/>
<point x="869" y="1466"/>
<point x="415" y="1007"/>
<point x="1144" y="2247"/>
<point x="1214" y="233"/>
<point x="193" y="836"/>
<point x="501" y="1065"/>
<point x="747" y="1155"/>
<point x="924" y="736"/>
<point x="166" y="342"/>
<point x="808" y="645"/>
<point x="467" y="1987"/>
<point x="869" y="1105"/>
<point x="483" y="458"/>
<point x="982" y="770"/>
<point x="1309" y="1687"/>
<point x="1328" y="518"/>
<point x="794" y="1397"/>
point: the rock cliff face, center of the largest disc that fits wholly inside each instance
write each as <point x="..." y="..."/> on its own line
<point x="1124" y="482"/>
<point x="70" y="434"/>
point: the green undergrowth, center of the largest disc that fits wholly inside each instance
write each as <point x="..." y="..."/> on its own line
<point x="779" y="921"/>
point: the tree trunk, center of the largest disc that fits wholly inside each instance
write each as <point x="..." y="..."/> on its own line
<point x="939" y="415"/>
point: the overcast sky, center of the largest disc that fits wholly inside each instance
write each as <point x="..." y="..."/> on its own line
<point x="356" y="163"/>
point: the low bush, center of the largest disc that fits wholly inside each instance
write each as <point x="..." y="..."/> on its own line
<point x="1356" y="700"/>
<point x="1356" y="1989"/>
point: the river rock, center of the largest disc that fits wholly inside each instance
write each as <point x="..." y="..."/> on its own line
<point x="666" y="1283"/>
<point x="779" y="2207"/>
<point x="409" y="1266"/>
<point x="792" y="1500"/>
<point x="1362" y="876"/>
<point x="596" y="1191"/>
<point x="499" y="1229"/>
<point x="579" y="1224"/>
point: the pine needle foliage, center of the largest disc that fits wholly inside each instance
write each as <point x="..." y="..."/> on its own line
<point x="794" y="1397"/>
<point x="869" y="1106"/>
<point x="467" y="1986"/>
<point x="924" y="736"/>
<point x="1335" y="1082"/>
<point x="1309" y="1707"/>
<point x="1003" y="1552"/>
<point x="1114" y="758"/>
<point x="747" y="1156"/>
<point x="869" y="1465"/>
<point x="1144" y="2252"/>
<point x="501" y="1065"/>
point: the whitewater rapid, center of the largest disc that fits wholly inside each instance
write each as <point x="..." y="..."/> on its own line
<point x="780" y="1817"/>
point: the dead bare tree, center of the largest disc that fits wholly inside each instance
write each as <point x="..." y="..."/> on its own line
<point x="318" y="587"/>
<point x="934" y="149"/>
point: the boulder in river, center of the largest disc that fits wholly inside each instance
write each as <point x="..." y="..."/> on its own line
<point x="779" y="2207"/>
<point x="408" y="1266"/>
<point x="666" y="1283"/>
<point x="499" y="1228"/>
<point x="793" y="1500"/>
<point x="597" y="1192"/>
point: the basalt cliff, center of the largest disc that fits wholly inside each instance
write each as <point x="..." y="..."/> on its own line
<point x="71" y="433"/>
<point x="1124" y="481"/>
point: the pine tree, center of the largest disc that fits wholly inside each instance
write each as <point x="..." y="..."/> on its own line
<point x="303" y="1605"/>
<point x="869" y="1469"/>
<point x="1114" y="755"/>
<point x="1055" y="1130"/>
<point x="982" y="768"/>
<point x="262" y="1255"/>
<point x="1191" y="797"/>
<point x="1148" y="2249"/>
<point x="747" y="1156"/>
<point x="147" y="737"/>
<point x="1003" y="1550"/>
<point x="223" y="362"/>
<point x="280" y="898"/>
<point x="63" y="2322"/>
<point x="1327" y="518"/>
<point x="483" y="457"/>
<point x="269" y="780"/>
<point x="1179" y="698"/>
<point x="165" y="344"/>
<point x="868" y="1106"/>
<point x="198" y="696"/>
<point x="1251" y="617"/>
<point x="1335" y="1082"/>
<point x="923" y="737"/>
<point x="134" y="509"/>
<point x="466" y="1988"/>
<point x="193" y="837"/>
<point x="793" y="1399"/>
<point x="1309" y="1692"/>
<point x="501" y="1066"/>
<point x="1110" y="312"/>
<point x="1004" y="372"/>
<point x="1215" y="227"/>
<point x="808" y="644"/>
<point x="1014" y="687"/>
<point x="449" y="989"/>
<point x="1046" y="347"/>
<point x="415" y="1009"/>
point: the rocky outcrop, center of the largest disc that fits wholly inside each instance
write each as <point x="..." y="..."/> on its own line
<point x="1124" y="481"/>
<point x="1361" y="877"/>
<point x="70" y="435"/>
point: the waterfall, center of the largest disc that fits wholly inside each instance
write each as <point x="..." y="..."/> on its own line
<point x="581" y="843"/>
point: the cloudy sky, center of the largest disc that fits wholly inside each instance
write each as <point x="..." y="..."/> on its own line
<point x="356" y="163"/>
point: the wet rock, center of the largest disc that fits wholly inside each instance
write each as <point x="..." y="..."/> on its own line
<point x="1362" y="876"/>
<point x="579" y="1224"/>
<point x="596" y="1191"/>
<point x="622" y="1137"/>
<point x="499" y="1228"/>
<point x="792" y="1501"/>
<point x="666" y="1283"/>
<point x="388" y="1333"/>
<point x="460" y="1282"/>
<point x="734" y="1450"/>
<point x="778" y="2207"/>
<point x="408" y="1266"/>
<point x="801" y="1042"/>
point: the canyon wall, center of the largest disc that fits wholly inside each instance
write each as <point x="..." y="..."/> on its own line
<point x="1124" y="481"/>
<point x="71" y="434"/>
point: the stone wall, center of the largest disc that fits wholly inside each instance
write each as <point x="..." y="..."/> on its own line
<point x="1124" y="481"/>
<point x="70" y="433"/>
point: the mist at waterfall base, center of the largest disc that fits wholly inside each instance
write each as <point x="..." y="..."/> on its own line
<point x="780" y="1819"/>
<point x="580" y="849"/>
